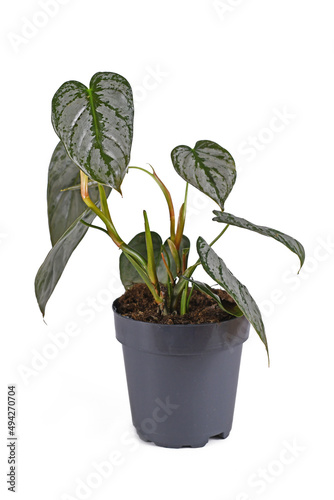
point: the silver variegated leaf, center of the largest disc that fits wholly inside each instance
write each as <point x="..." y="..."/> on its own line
<point x="96" y="125"/>
<point x="288" y="241"/>
<point x="218" y="271"/>
<point x="65" y="210"/>
<point x="208" y="167"/>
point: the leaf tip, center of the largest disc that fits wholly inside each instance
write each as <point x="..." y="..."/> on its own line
<point x="119" y="190"/>
<point x="200" y="242"/>
<point x="302" y="260"/>
<point x="153" y="171"/>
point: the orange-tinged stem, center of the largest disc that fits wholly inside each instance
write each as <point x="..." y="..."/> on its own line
<point x="167" y="196"/>
<point x="169" y="272"/>
<point x="104" y="217"/>
<point x="181" y="221"/>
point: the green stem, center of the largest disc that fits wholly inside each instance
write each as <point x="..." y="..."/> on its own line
<point x="183" y="305"/>
<point x="151" y="267"/>
<point x="142" y="273"/>
<point x="189" y="297"/>
<point x="181" y="220"/>
<point x="185" y="253"/>
<point x="104" y="203"/>
<point x="219" y="235"/>
<point x="107" y="220"/>
<point x="182" y="283"/>
<point x="90" y="204"/>
<point x="77" y="187"/>
<point x="170" y="294"/>
<point x="135" y="255"/>
<point x="169" y="272"/>
<point x="197" y="263"/>
<point x="175" y="255"/>
<point x="167" y="196"/>
<point x="94" y="227"/>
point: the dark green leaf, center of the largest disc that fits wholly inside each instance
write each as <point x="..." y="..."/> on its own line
<point x="288" y="241"/>
<point x="224" y="304"/>
<point x="65" y="211"/>
<point x="208" y="167"/>
<point x="56" y="260"/>
<point x="161" y="268"/>
<point x="128" y="273"/>
<point x="64" y="207"/>
<point x="217" y="270"/>
<point x="96" y="125"/>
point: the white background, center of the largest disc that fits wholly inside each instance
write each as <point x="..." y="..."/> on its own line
<point x="200" y="70"/>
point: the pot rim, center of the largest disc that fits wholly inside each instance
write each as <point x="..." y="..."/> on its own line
<point x="183" y="325"/>
<point x="188" y="339"/>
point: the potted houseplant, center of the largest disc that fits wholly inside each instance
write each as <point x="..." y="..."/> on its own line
<point x="182" y="339"/>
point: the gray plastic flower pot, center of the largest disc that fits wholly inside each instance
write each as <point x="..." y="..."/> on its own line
<point x="182" y="379"/>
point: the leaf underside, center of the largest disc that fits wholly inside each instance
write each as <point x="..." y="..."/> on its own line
<point x="208" y="167"/>
<point x="65" y="211"/>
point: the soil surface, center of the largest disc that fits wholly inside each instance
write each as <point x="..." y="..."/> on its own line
<point x="138" y="303"/>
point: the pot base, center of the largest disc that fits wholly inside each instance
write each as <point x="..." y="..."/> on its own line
<point x="196" y="443"/>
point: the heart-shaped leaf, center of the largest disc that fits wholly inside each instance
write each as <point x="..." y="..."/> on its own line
<point x="96" y="125"/>
<point x="208" y="167"/>
<point x="161" y="268"/>
<point x="65" y="211"/>
<point x="128" y="273"/>
<point x="217" y="270"/>
<point x="288" y="241"/>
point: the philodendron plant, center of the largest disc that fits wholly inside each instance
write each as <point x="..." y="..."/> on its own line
<point x="95" y="128"/>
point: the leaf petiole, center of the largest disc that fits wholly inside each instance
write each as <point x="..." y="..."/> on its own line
<point x="167" y="196"/>
<point x="94" y="227"/>
<point x="151" y="267"/>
